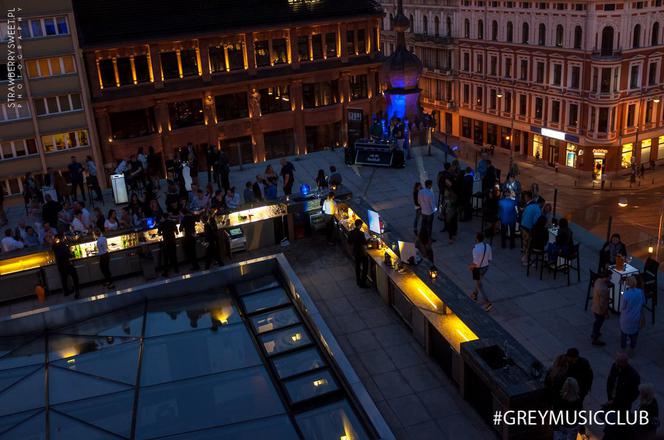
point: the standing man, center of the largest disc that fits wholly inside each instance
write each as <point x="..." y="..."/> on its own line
<point x="622" y="389"/>
<point x="507" y="215"/>
<point x="50" y="210"/>
<point x="329" y="209"/>
<point x="188" y="228"/>
<point x="600" y="307"/>
<point x="223" y="171"/>
<point x="428" y="206"/>
<point x="93" y="180"/>
<point x="76" y="177"/>
<point x="287" y="173"/>
<point x="65" y="268"/>
<point x="482" y="256"/>
<point x="212" y="239"/>
<point x="529" y="216"/>
<point x="168" y="231"/>
<point x="104" y="259"/>
<point x="579" y="368"/>
<point x="335" y="178"/>
<point x="211" y="158"/>
<point x="357" y="239"/>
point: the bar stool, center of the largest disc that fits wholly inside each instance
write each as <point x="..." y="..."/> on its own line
<point x="565" y="262"/>
<point x="538" y="259"/>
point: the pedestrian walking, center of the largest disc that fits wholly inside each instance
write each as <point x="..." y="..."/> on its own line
<point x="600" y="306"/>
<point x="482" y="257"/>
<point x="104" y="258"/>
<point x="427" y="206"/>
<point x="288" y="174"/>
<point x="65" y="268"/>
<point x="358" y="242"/>
<point x="418" y="209"/>
<point x="631" y="309"/>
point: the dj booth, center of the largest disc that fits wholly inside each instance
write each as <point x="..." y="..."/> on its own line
<point x="382" y="153"/>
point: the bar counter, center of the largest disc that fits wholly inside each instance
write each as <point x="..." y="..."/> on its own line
<point x="492" y="370"/>
<point x="135" y="251"/>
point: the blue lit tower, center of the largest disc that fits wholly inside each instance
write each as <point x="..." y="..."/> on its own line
<point x="401" y="71"/>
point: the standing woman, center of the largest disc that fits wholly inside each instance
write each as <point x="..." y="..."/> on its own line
<point x="321" y="180"/>
<point x="631" y="308"/>
<point x="418" y="209"/>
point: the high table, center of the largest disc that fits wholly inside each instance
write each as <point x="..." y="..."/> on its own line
<point x="618" y="278"/>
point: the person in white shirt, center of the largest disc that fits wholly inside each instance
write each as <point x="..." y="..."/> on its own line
<point x="482" y="256"/>
<point x="9" y="243"/>
<point x="111" y="222"/>
<point x="232" y="198"/>
<point x="85" y="214"/>
<point x="330" y="209"/>
<point x="104" y="259"/>
<point x="77" y="224"/>
<point x="428" y="206"/>
<point x="21" y="229"/>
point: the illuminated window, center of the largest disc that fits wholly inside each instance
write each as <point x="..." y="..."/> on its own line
<point x="186" y="113"/>
<point x="317" y="46"/>
<point x="169" y="65"/>
<point x="235" y="55"/>
<point x="189" y="62"/>
<point x="275" y="99"/>
<point x="320" y="94"/>
<point x="331" y="44"/>
<point x="660" y="148"/>
<point x="231" y="106"/>
<point x="279" y="51"/>
<point x="626" y="156"/>
<point x="358" y="87"/>
<point x="132" y="123"/>
<point x="262" y="51"/>
<point x="646" y="146"/>
<point x="537" y="146"/>
<point x="217" y="59"/>
<point x="62" y="141"/>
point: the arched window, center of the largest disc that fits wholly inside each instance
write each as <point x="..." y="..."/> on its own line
<point x="510" y="32"/>
<point x="524" y="33"/>
<point x="448" y="22"/>
<point x="607" y="41"/>
<point x="466" y="28"/>
<point x="578" y="37"/>
<point x="436" y="25"/>
<point x="494" y="30"/>
<point x="541" y="35"/>
<point x="636" y="38"/>
<point x="654" y="38"/>
<point x="480" y="30"/>
<point x="425" y="25"/>
<point x="560" y="35"/>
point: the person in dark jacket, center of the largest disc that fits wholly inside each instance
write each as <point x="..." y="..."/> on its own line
<point x="168" y="231"/>
<point x="212" y="239"/>
<point x="564" y="241"/>
<point x="622" y="389"/>
<point x="50" y="210"/>
<point x="579" y="368"/>
<point x="188" y="228"/>
<point x="539" y="234"/>
<point x="65" y="268"/>
<point x="611" y="249"/>
<point x="358" y="242"/>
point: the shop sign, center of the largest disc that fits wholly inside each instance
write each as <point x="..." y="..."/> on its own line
<point x="600" y="152"/>
<point x="554" y="134"/>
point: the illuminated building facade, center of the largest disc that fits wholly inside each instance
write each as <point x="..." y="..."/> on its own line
<point x="262" y="79"/>
<point x="575" y="84"/>
<point x="44" y="113"/>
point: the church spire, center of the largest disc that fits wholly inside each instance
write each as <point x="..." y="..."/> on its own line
<point x="401" y="25"/>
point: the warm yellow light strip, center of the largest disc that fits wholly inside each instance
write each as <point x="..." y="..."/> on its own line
<point x="115" y="71"/>
<point x="101" y="84"/>
<point x="427" y="298"/>
<point x="178" y="54"/>
<point x="133" y="69"/>
<point x="198" y="61"/>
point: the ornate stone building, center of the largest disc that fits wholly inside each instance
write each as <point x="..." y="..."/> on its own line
<point x="262" y="79"/>
<point x="574" y="83"/>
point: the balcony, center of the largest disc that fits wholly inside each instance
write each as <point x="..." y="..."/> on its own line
<point x="433" y="39"/>
<point x="606" y="55"/>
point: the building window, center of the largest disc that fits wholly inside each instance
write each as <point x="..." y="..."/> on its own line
<point x="540" y="73"/>
<point x="605" y="82"/>
<point x="231" y="106"/>
<point x="646" y="146"/>
<point x="575" y="77"/>
<point x="303" y="48"/>
<point x="189" y="62"/>
<point x="479" y="96"/>
<point x="12" y="186"/>
<point x="63" y="141"/>
<point x="107" y="73"/>
<point x="524" y="70"/>
<point x="508" y="68"/>
<point x="18" y="110"/>
<point x="320" y="94"/>
<point x="436" y="26"/>
<point x="510" y="32"/>
<point x="425" y="25"/>
<point x="578" y="37"/>
<point x="235" y="56"/>
<point x="275" y="99"/>
<point x="631" y="112"/>
<point x="358" y="87"/>
<point x="652" y="74"/>
<point x="465" y="128"/>
<point x="648" y="115"/>
<point x="480" y="30"/>
<point x="654" y="36"/>
<point x="466" y="94"/>
<point x="541" y="35"/>
<point x="479" y="64"/>
<point x="124" y="71"/>
<point x="523" y="105"/>
<point x="317" y="46"/>
<point x="217" y="59"/>
<point x="46" y="67"/>
<point x="494" y="30"/>
<point x="279" y="51"/>
<point x="17" y="148"/>
<point x="636" y="37"/>
<point x="538" y="146"/>
<point x="169" y="65"/>
<point x="493" y="66"/>
<point x="607" y="41"/>
<point x="539" y="104"/>
<point x="448" y="26"/>
<point x="508" y="102"/>
<point x="557" y="75"/>
<point x="492" y="99"/>
<point x="660" y="148"/>
<point x="626" y="156"/>
<point x="555" y="112"/>
<point x="350" y="42"/>
<point x="466" y="28"/>
<point x="466" y="62"/>
<point x="331" y="44"/>
<point x="279" y="143"/>
<point x="57" y="104"/>
<point x="132" y="123"/>
<point x="186" y="113"/>
<point x="560" y="35"/>
<point x="524" y="33"/>
<point x="603" y="123"/>
<point x="262" y="51"/>
<point x="634" y="73"/>
<point x="573" y="117"/>
<point x="44" y="27"/>
<point x="4" y="73"/>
